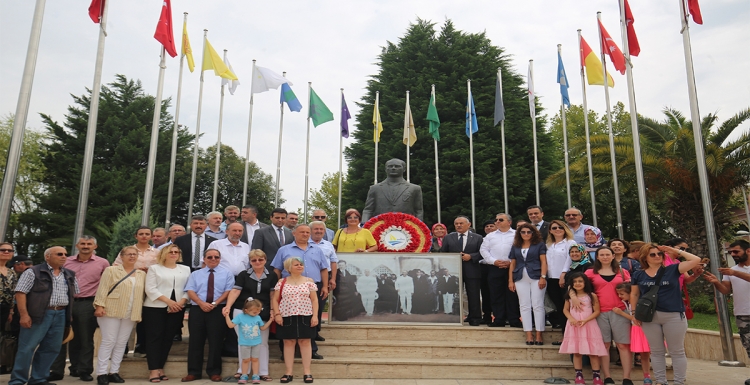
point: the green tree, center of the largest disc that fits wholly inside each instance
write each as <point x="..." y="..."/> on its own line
<point x="327" y="198"/>
<point x="29" y="182"/>
<point x="424" y="56"/>
<point x="124" y="228"/>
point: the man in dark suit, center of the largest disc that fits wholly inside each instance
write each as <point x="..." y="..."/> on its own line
<point x="394" y="194"/>
<point x="192" y="256"/>
<point x="536" y="216"/>
<point x="250" y="223"/>
<point x="467" y="244"/>
<point x="271" y="238"/>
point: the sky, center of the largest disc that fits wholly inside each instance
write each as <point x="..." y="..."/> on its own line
<point x="334" y="44"/>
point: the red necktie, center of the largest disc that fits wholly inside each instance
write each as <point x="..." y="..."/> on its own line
<point x="210" y="289"/>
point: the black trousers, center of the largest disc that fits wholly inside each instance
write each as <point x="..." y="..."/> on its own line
<point x="556" y="294"/>
<point x="160" y="328"/>
<point x="204" y="326"/>
<point x="473" y="288"/>
<point x="317" y="329"/>
<point x="485" y="289"/>
<point x="80" y="350"/>
<point x="505" y="305"/>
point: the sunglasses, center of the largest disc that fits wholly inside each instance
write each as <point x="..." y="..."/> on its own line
<point x="499" y="220"/>
<point x="6" y="250"/>
<point x="131" y="254"/>
<point x="556" y="228"/>
<point x="175" y="252"/>
<point x="525" y="232"/>
<point x="659" y="254"/>
<point x="60" y="254"/>
<point x="319" y="216"/>
<point x="571" y="215"/>
<point x="257" y="260"/>
<point x="684" y="248"/>
<point x="352" y="217"/>
<point x="212" y="257"/>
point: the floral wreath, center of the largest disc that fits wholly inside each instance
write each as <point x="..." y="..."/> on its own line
<point x="399" y="232"/>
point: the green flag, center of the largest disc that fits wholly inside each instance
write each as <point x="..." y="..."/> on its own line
<point x="432" y="117"/>
<point x="318" y="110"/>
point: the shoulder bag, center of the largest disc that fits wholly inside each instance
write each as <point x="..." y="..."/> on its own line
<point x="111" y="289"/>
<point x="646" y="307"/>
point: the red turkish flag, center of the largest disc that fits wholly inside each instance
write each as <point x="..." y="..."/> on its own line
<point x="695" y="11"/>
<point x="610" y="48"/>
<point x="95" y="10"/>
<point x="164" y="33"/>
<point x="633" y="45"/>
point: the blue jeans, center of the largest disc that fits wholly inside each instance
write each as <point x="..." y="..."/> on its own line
<point x="48" y="336"/>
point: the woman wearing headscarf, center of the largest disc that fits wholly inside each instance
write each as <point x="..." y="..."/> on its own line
<point x="438" y="233"/>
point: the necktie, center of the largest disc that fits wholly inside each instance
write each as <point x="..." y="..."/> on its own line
<point x="461" y="239"/>
<point x="210" y="288"/>
<point x="281" y="237"/>
<point x="197" y="252"/>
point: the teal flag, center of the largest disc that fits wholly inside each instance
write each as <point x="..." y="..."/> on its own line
<point x="432" y="117"/>
<point x="319" y="112"/>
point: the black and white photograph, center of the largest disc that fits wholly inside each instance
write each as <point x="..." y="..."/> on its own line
<point x="397" y="288"/>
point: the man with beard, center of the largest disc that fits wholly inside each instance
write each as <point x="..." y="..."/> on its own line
<point x="737" y="281"/>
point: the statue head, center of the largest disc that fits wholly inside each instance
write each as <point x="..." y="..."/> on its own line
<point x="395" y="168"/>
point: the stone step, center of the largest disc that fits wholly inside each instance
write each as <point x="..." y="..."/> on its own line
<point x="432" y="333"/>
<point x="383" y="367"/>
<point x="424" y="349"/>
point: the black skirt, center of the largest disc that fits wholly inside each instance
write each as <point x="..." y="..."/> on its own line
<point x="295" y="327"/>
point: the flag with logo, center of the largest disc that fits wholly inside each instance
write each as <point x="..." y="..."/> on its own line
<point x="164" y="33"/>
<point x="318" y="111"/>
<point x="594" y="69"/>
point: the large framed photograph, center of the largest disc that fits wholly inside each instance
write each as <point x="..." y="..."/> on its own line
<point x="416" y="288"/>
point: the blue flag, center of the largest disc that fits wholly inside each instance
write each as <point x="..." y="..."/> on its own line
<point x="288" y="96"/>
<point x="563" y="80"/>
<point x="471" y="112"/>
<point x="345" y="116"/>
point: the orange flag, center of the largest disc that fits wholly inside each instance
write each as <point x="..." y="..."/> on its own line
<point x="610" y="48"/>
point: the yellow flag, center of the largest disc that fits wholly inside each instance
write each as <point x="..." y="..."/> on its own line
<point x="186" y="50"/>
<point x="410" y="135"/>
<point x="377" y="123"/>
<point x="212" y="61"/>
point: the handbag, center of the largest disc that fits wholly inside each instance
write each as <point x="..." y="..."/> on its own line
<point x="8" y="347"/>
<point x="111" y="289"/>
<point x="646" y="307"/>
<point x="281" y="289"/>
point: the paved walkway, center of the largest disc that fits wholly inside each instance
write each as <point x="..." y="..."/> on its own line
<point x="699" y="373"/>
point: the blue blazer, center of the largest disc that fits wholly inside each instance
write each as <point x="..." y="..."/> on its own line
<point x="532" y="264"/>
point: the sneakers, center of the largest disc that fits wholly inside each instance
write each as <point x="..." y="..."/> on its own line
<point x="598" y="381"/>
<point x="580" y="380"/>
<point x="243" y="379"/>
<point x="647" y="381"/>
<point x="627" y="381"/>
<point x="256" y="379"/>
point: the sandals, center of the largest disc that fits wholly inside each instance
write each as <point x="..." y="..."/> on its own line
<point x="286" y="378"/>
<point x="164" y="377"/>
<point x="266" y="378"/>
<point x="154" y="380"/>
<point x="308" y="378"/>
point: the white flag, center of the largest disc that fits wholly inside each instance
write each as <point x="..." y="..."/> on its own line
<point x="265" y="79"/>
<point x="532" y="97"/>
<point x="232" y="83"/>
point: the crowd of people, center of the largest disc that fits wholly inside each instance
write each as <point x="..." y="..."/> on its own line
<point x="244" y="281"/>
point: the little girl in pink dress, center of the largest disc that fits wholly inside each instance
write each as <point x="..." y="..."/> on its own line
<point x="638" y="341"/>
<point x="583" y="337"/>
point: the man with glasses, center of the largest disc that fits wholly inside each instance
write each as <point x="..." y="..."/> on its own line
<point x="208" y="289"/>
<point x="495" y="250"/>
<point x="573" y="218"/>
<point x="175" y="231"/>
<point x="536" y="216"/>
<point x="250" y="223"/>
<point x="318" y="230"/>
<point x="320" y="215"/>
<point x="44" y="296"/>
<point x="88" y="268"/>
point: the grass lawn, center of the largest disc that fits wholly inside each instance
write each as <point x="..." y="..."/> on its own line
<point x="709" y="322"/>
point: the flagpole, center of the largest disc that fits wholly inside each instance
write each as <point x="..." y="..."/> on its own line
<point x="471" y="151"/>
<point x="565" y="137"/>
<point x="173" y="160"/>
<point x="408" y="137"/>
<point x="249" y="131"/>
<point x="639" y="179"/>
<point x="197" y="135"/>
<point x="502" y="144"/>
<point x="307" y="153"/>
<point x="278" y="156"/>
<point x="377" y="134"/>
<point x="151" y="168"/>
<point x="725" y="327"/>
<point x="437" y="172"/>
<point x="341" y="161"/>
<point x="588" y="137"/>
<point x="88" y="152"/>
<point x="613" y="160"/>
<point x="218" y="144"/>
<point x="20" y="118"/>
<point x="533" y="127"/>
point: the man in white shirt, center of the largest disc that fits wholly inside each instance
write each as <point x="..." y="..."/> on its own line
<point x="320" y="215"/>
<point x="573" y="218"/>
<point x="367" y="287"/>
<point x="234" y="253"/>
<point x="495" y="250"/>
<point x="250" y="223"/>
<point x="195" y="243"/>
